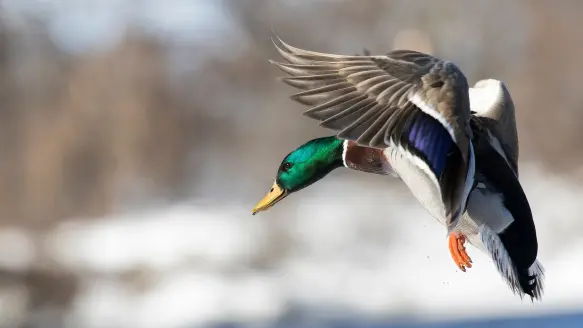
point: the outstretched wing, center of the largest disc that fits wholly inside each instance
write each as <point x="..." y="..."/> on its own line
<point x="371" y="99"/>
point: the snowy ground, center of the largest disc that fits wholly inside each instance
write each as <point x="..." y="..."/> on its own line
<point x="366" y="252"/>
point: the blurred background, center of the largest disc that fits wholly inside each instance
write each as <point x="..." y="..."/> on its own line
<point x="137" y="135"/>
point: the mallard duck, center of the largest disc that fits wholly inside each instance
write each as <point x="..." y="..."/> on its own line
<point x="413" y="106"/>
<point x="498" y="220"/>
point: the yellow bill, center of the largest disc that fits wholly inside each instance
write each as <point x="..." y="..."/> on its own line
<point x="273" y="196"/>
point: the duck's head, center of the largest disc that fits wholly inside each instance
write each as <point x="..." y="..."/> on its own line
<point x="305" y="165"/>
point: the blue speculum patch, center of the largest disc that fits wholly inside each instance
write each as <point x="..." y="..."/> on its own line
<point x="430" y="138"/>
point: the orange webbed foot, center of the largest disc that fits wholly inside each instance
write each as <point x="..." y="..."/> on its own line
<point x="458" y="251"/>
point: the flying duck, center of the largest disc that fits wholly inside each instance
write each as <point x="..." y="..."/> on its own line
<point x="412" y="106"/>
<point x="498" y="220"/>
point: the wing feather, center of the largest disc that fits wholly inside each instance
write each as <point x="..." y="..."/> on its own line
<point x="389" y="81"/>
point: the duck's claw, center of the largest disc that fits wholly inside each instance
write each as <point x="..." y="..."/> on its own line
<point x="458" y="251"/>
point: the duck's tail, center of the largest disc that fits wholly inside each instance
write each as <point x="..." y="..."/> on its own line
<point x="522" y="278"/>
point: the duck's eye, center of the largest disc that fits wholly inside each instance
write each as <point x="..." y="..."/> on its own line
<point x="286" y="166"/>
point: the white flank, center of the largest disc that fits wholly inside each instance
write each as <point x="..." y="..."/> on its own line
<point x="418" y="162"/>
<point x="431" y="111"/>
<point x="419" y="179"/>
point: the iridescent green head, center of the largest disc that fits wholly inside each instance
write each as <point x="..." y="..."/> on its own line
<point x="305" y="165"/>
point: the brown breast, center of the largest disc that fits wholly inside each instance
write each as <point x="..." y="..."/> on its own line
<point x="371" y="160"/>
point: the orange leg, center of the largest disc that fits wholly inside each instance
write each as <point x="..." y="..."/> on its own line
<point x="458" y="251"/>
